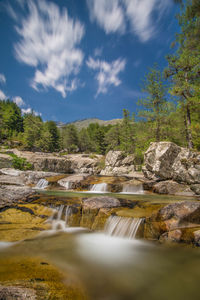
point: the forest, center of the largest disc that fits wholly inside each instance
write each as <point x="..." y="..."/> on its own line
<point x="169" y="110"/>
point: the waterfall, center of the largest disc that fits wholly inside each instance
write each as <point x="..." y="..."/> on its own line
<point x="42" y="184"/>
<point x="65" y="184"/>
<point x="122" y="227"/>
<point x="56" y="219"/>
<point x="133" y="189"/>
<point x="99" y="188"/>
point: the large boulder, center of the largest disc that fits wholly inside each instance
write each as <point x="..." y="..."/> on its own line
<point x="172" y="188"/>
<point x="117" y="164"/>
<point x="167" y="161"/>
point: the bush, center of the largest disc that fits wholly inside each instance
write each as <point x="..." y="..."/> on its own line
<point x="21" y="163"/>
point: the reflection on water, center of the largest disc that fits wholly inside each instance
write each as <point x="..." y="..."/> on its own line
<point x="115" y="268"/>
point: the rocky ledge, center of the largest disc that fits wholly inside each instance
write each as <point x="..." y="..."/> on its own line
<point x="177" y="169"/>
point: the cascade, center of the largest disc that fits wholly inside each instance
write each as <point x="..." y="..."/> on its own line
<point x="133" y="189"/>
<point x="42" y="184"/>
<point x="99" y="188"/>
<point x="122" y="227"/>
<point x="57" y="222"/>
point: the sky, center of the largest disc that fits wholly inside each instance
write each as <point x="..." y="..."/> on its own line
<point x="75" y="59"/>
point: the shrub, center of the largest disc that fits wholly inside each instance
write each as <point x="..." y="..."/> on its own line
<point x="21" y="163"/>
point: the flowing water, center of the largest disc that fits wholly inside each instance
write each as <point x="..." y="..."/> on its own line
<point x="122" y="227"/>
<point x="42" y="184"/>
<point x="111" y="264"/>
<point x="133" y="189"/>
<point x="99" y="188"/>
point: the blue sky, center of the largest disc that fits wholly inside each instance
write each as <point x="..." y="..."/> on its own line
<point x="76" y="59"/>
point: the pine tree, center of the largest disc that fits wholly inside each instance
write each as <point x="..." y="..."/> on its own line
<point x="155" y="103"/>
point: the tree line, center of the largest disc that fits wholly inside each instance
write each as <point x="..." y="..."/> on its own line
<point x="169" y="110"/>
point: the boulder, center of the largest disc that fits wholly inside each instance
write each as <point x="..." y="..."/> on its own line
<point x="117" y="163"/>
<point x="10" y="194"/>
<point x="172" y="188"/>
<point x="178" y="213"/>
<point x="167" y="161"/>
<point x="101" y="202"/>
<point x="73" y="181"/>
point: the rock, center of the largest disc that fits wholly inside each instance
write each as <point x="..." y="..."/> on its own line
<point x="195" y="188"/>
<point x="172" y="188"/>
<point x="167" y="161"/>
<point x="73" y="181"/>
<point x="117" y="163"/>
<point x="101" y="202"/>
<point x="179" y="213"/>
<point x="17" y="293"/>
<point x="12" y="193"/>
<point x="171" y="236"/>
<point x="5" y="161"/>
<point x="197" y="237"/>
<point x="53" y="162"/>
<point x="17" y="177"/>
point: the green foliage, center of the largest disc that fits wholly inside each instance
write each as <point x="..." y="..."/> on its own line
<point x="11" y="121"/>
<point x="154" y="104"/>
<point x="20" y="163"/>
<point x="69" y="136"/>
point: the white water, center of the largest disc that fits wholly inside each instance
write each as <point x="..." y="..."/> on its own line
<point x="122" y="227"/>
<point x="133" y="189"/>
<point x="42" y="184"/>
<point x="99" y="188"/>
<point x="58" y="223"/>
<point x="65" y="184"/>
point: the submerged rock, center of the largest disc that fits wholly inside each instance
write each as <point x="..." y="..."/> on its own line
<point x="101" y="202"/>
<point x="17" y="293"/>
<point x="167" y="161"/>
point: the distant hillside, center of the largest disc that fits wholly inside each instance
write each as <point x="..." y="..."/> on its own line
<point x="86" y="122"/>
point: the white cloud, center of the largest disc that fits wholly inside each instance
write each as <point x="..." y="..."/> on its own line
<point x="2" y="78"/>
<point x="113" y="15"/>
<point x="139" y="13"/>
<point x="107" y="72"/>
<point x="108" y="14"/>
<point x="49" y="39"/>
<point x="2" y="95"/>
<point x="19" y="101"/>
<point x="29" y="111"/>
<point x="11" y="12"/>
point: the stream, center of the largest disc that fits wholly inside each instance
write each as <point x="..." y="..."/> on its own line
<point x="112" y="263"/>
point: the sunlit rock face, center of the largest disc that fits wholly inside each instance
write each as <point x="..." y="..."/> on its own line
<point x="166" y="160"/>
<point x="117" y="163"/>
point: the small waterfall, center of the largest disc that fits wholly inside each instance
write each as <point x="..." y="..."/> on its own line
<point x="133" y="189"/>
<point x="66" y="184"/>
<point x="99" y="188"/>
<point x="56" y="219"/>
<point x="42" y="184"/>
<point x="122" y="227"/>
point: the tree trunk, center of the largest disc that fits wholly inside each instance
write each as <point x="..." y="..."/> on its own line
<point x="158" y="130"/>
<point x="188" y="128"/>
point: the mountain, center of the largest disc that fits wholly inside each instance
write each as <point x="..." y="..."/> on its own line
<point x="86" y="122"/>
